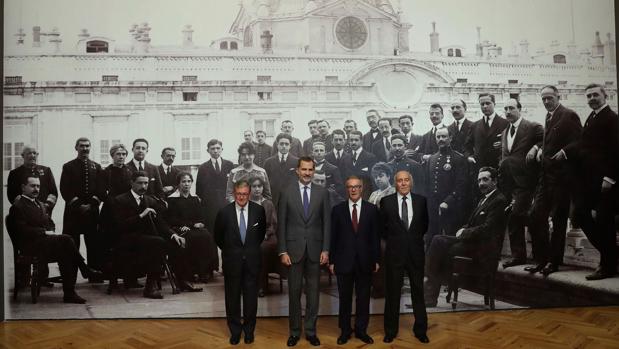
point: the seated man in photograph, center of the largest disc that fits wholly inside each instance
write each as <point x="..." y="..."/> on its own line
<point x="185" y="217"/>
<point x="34" y="234"/>
<point x="478" y="239"/>
<point x="143" y="231"/>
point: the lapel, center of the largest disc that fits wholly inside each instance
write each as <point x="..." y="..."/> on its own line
<point x="520" y="133"/>
<point x="313" y="202"/>
<point x="480" y="208"/>
<point x="237" y="231"/>
<point x="299" y="199"/>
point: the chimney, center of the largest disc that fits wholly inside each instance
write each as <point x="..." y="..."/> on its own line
<point x="598" y="48"/>
<point x="54" y="39"/>
<point x="36" y="36"/>
<point x="143" y="38"/>
<point x="20" y="36"/>
<point x="434" y="39"/>
<point x="266" y="42"/>
<point x="479" y="51"/>
<point x="524" y="48"/>
<point x="188" y="36"/>
<point x="610" y="55"/>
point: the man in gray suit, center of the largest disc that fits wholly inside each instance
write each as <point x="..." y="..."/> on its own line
<point x="303" y="235"/>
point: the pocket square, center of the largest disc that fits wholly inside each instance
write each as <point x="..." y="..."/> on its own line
<point x="152" y="179"/>
<point x="482" y="213"/>
<point x="255" y="225"/>
<point x="364" y="169"/>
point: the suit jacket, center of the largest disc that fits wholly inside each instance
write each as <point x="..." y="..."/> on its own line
<point x="281" y="174"/>
<point x="169" y="179"/>
<point x="597" y="151"/>
<point x="514" y="170"/>
<point x="349" y="247"/>
<point x="126" y="213"/>
<point x="378" y="149"/>
<point x="155" y="187"/>
<point x="296" y="148"/>
<point x="482" y="139"/>
<point x="228" y="237"/>
<point x="404" y="245"/>
<point x="459" y="137"/>
<point x="333" y="177"/>
<point x="28" y="222"/>
<point x="73" y="184"/>
<point x="416" y="170"/>
<point x="330" y="157"/>
<point x="14" y="181"/>
<point x="414" y="141"/>
<point x="263" y="152"/>
<point x="211" y="186"/>
<point x="368" y="140"/>
<point x="562" y="129"/>
<point x="362" y="169"/>
<point x="428" y="145"/>
<point x="295" y="232"/>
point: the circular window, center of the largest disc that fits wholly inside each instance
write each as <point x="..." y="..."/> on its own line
<point x="351" y="32"/>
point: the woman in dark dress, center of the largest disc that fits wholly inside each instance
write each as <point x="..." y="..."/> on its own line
<point x="270" y="260"/>
<point x="185" y="217"/>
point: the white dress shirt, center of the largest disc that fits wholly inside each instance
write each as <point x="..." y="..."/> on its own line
<point x="350" y="208"/>
<point x="245" y="215"/>
<point x="309" y="191"/>
<point x="409" y="205"/>
<point x="510" y="138"/>
<point x="218" y="161"/>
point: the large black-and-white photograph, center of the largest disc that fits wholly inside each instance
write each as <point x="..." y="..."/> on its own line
<point x="181" y="159"/>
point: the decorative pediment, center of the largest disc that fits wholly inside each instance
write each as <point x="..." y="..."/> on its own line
<point x="359" y="8"/>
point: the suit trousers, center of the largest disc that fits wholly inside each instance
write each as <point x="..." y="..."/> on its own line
<point x="185" y="260"/>
<point x="60" y="248"/>
<point x="439" y="261"/>
<point x="147" y="252"/>
<point x="394" y="275"/>
<point x="310" y="271"/>
<point x="237" y="285"/>
<point x="359" y="281"/>
<point x="378" y="278"/>
<point x="517" y="221"/>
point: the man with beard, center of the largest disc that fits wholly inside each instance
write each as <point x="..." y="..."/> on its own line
<point x="382" y="146"/>
<point x="372" y="116"/>
<point x="402" y="163"/>
<point x="82" y="190"/>
<point x="314" y="137"/>
<point x="447" y="173"/>
<point x="518" y="175"/>
<point x="138" y="163"/>
<point x="428" y="143"/>
<point x="553" y="194"/>
<point x="167" y="172"/>
<point x="478" y="239"/>
<point x="597" y="156"/>
<point x="47" y="190"/>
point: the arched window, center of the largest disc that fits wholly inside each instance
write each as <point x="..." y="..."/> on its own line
<point x="458" y="52"/>
<point x="248" y="39"/>
<point x="223" y="45"/>
<point x="450" y="52"/>
<point x="234" y="45"/>
<point x="95" y="46"/>
<point x="559" y="59"/>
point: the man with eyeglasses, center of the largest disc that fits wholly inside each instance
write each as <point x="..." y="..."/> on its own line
<point x="48" y="193"/>
<point x="354" y="255"/>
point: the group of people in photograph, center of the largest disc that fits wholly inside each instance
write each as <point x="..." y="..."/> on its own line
<point x="335" y="201"/>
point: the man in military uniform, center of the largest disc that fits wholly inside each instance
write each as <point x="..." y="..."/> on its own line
<point x="447" y="175"/>
<point x="402" y="163"/>
<point x="48" y="193"/>
<point x="81" y="190"/>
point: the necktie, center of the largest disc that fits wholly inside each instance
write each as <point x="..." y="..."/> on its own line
<point x="338" y="155"/>
<point x="168" y="170"/>
<point x="591" y="117"/>
<point x="405" y="212"/>
<point x="305" y="202"/>
<point x="548" y="118"/>
<point x="282" y="161"/>
<point x="217" y="168"/>
<point x="458" y="125"/>
<point x="355" y="219"/>
<point x="141" y="203"/>
<point x="354" y="157"/>
<point x="387" y="147"/>
<point x="242" y="225"/>
<point x="512" y="130"/>
<point x="140" y="168"/>
<point x="487" y="121"/>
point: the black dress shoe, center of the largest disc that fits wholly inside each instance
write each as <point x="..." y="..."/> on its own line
<point x="73" y="298"/>
<point x="513" y="263"/>
<point x="364" y="337"/>
<point x="90" y="273"/>
<point x="249" y="339"/>
<point x="550" y="268"/>
<point x="292" y="341"/>
<point x="313" y="340"/>
<point x="234" y="340"/>
<point x="534" y="269"/>
<point x="599" y="274"/>
<point x="388" y="339"/>
<point x="188" y="287"/>
<point x="343" y="339"/>
<point x="423" y="338"/>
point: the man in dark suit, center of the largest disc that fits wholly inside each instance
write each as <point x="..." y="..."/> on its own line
<point x="349" y="126"/>
<point x="518" y="175"/>
<point x="359" y="163"/>
<point x="167" y="172"/>
<point x="140" y="149"/>
<point x="143" y="231"/>
<point x="404" y="220"/>
<point x="401" y="163"/>
<point x="324" y="129"/>
<point x="336" y="156"/>
<point x="314" y="137"/>
<point x="33" y="231"/>
<point x="240" y="228"/>
<point x="263" y="150"/>
<point x="47" y="191"/>
<point x="303" y="236"/>
<point x="485" y="139"/>
<point x="211" y="182"/>
<point x="281" y="167"/>
<point x="296" y="148"/>
<point x="480" y="238"/>
<point x="333" y="175"/>
<point x="428" y="143"/>
<point x="413" y="141"/>
<point x="81" y="189"/>
<point x="553" y="193"/>
<point x="382" y="146"/>
<point x="460" y="129"/>
<point x="372" y="116"/>
<point x="447" y="172"/>
<point x="354" y="255"/>
<point x="597" y="156"/>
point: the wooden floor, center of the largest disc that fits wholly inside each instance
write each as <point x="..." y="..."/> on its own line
<point x="596" y="327"/>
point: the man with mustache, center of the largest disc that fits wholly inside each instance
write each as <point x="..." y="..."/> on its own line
<point x="372" y="116"/>
<point x="428" y="144"/>
<point x="47" y="192"/>
<point x="401" y="163"/>
<point x="138" y="163"/>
